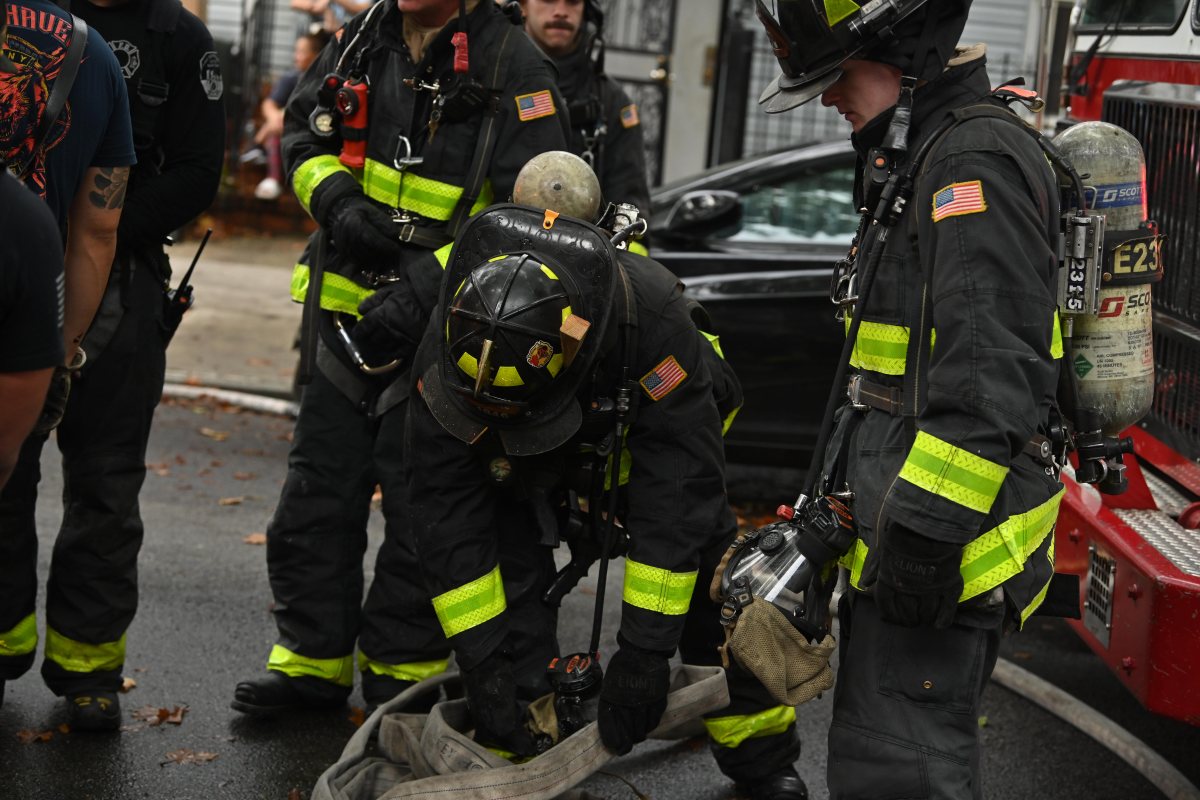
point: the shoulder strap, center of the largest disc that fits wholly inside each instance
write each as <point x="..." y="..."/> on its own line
<point x="152" y="88"/>
<point x="485" y="144"/>
<point x="60" y="91"/>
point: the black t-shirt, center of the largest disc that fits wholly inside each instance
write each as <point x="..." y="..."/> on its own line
<point x="93" y="129"/>
<point x="31" y="281"/>
<point x="181" y="141"/>
<point x="284" y="87"/>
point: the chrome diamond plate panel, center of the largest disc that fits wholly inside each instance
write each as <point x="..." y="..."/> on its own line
<point x="1180" y="545"/>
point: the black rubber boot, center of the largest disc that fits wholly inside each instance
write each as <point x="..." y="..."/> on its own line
<point x="94" y="711"/>
<point x="275" y="692"/>
<point x="378" y="689"/>
<point x="782" y="785"/>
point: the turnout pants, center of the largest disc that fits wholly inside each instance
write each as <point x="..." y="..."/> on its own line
<point x="92" y="593"/>
<point x="906" y="706"/>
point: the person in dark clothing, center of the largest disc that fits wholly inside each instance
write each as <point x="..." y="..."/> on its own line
<point x="174" y="83"/>
<point x="81" y="170"/>
<point x="955" y="516"/>
<point x="31" y="315"/>
<point x="604" y="126"/>
<point x="542" y="330"/>
<point x="437" y="146"/>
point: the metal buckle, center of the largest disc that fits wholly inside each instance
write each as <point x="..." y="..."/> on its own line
<point x="407" y="229"/>
<point x="854" y="392"/>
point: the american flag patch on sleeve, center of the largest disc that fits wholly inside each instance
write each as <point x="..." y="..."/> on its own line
<point x="629" y="116"/>
<point x="534" y="106"/>
<point x="662" y="380"/>
<point x="958" y="199"/>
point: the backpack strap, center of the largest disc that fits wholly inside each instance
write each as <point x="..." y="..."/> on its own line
<point x="152" y="88"/>
<point x="59" y="92"/>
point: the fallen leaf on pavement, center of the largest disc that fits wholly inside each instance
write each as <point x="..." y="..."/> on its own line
<point x="127" y="685"/>
<point x="216" y="462"/>
<point x="180" y="460"/>
<point x="230" y="501"/>
<point x="216" y="435"/>
<point x="176" y="716"/>
<point x="295" y="794"/>
<point x="192" y="380"/>
<point x="258" y="362"/>
<point x="152" y="715"/>
<point x="255" y="538"/>
<point x="358" y="716"/>
<point x="185" y="756"/>
<point x="244" y="476"/>
<point x="64" y="728"/>
<point x="26" y="736"/>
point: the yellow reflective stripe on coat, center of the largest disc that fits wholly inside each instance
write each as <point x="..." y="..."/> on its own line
<point x="883" y="348"/>
<point x="430" y="198"/>
<point x="309" y="175"/>
<point x="732" y="731"/>
<point x="992" y="558"/>
<point x="21" y="639"/>
<point x="337" y="293"/>
<point x="335" y="670"/>
<point x="76" y="656"/>
<point x="1028" y="610"/>
<point x="658" y="590"/>
<point x="442" y="254"/>
<point x="715" y="341"/>
<point x="410" y="671"/>
<point x="879" y="347"/>
<point x="952" y="473"/>
<point x="1001" y="553"/>
<point x="471" y="604"/>
<point x="639" y="248"/>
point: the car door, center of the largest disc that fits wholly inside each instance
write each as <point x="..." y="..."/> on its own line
<point x="764" y="281"/>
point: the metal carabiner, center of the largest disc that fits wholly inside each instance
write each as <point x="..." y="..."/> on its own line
<point x="353" y="351"/>
<point x="408" y="159"/>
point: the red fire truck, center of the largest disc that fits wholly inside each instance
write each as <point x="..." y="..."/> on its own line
<point x="1136" y="63"/>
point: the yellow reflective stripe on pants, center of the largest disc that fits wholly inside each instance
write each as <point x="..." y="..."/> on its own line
<point x="309" y="175"/>
<point x="411" y="671"/>
<point x="430" y="198"/>
<point x="947" y="471"/>
<point x="337" y="293"/>
<point x="442" y="254"/>
<point x="22" y="639"/>
<point x="335" y="670"/>
<point x="994" y="557"/>
<point x="471" y="604"/>
<point x="732" y="731"/>
<point x="1002" y="552"/>
<point x="658" y="590"/>
<point x="76" y="656"/>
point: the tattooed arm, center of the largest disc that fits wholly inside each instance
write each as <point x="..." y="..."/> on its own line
<point x="91" y="246"/>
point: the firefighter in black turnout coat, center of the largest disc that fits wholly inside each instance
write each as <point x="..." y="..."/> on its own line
<point x="541" y="337"/>
<point x="955" y="367"/>
<point x="175" y="87"/>
<point x="407" y="123"/>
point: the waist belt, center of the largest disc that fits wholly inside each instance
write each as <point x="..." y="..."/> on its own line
<point x="864" y="394"/>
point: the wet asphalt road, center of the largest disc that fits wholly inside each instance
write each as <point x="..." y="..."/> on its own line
<point x="205" y="623"/>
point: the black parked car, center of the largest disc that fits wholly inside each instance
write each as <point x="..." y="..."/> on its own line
<point x="755" y="241"/>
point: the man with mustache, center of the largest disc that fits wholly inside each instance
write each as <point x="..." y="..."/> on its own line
<point x="604" y="126"/>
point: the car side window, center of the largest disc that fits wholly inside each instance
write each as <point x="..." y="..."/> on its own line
<point x="816" y="207"/>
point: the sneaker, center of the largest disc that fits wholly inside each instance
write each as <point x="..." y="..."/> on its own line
<point x="782" y="785"/>
<point x="276" y="692"/>
<point x="268" y="189"/>
<point x="94" y="711"/>
<point x="255" y="155"/>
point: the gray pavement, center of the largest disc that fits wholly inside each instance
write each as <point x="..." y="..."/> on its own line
<point x="205" y="618"/>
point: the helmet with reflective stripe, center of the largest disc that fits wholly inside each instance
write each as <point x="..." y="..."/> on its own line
<point x="812" y="38"/>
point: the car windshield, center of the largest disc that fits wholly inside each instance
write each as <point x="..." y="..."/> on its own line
<point x="1132" y="14"/>
<point x="815" y="207"/>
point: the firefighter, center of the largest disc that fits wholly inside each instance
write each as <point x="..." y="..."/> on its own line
<point x="541" y="337"/>
<point x="173" y="77"/>
<point x="415" y="117"/>
<point x="605" y="128"/>
<point x="954" y="507"/>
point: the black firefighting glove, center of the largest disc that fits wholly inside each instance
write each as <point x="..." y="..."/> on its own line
<point x="633" y="696"/>
<point x="492" y="698"/>
<point x="919" y="582"/>
<point x="391" y="325"/>
<point x="366" y="233"/>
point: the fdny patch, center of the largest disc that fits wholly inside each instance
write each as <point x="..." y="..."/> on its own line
<point x="629" y="117"/>
<point x="958" y="199"/>
<point x="534" y="106"/>
<point x="539" y="354"/>
<point x="662" y="380"/>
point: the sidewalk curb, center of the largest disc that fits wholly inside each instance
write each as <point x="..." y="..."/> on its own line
<point x="246" y="400"/>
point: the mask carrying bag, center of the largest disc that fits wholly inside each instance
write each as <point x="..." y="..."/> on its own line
<point x="430" y="757"/>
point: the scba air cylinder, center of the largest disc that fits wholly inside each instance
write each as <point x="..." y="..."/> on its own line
<point x="1113" y="349"/>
